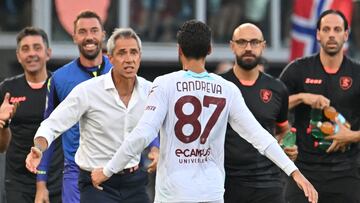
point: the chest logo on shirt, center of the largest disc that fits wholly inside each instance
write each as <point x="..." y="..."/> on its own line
<point x="345" y="82"/>
<point x="313" y="81"/>
<point x="17" y="99"/>
<point x="153" y="89"/>
<point x="265" y="95"/>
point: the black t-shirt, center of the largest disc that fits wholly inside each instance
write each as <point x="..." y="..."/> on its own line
<point x="24" y="124"/>
<point x="343" y="89"/>
<point x="267" y="99"/>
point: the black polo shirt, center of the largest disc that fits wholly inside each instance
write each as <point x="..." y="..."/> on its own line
<point x="267" y="99"/>
<point x="343" y="89"/>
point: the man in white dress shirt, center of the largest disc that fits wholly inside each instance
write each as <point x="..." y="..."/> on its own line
<point x="191" y="108"/>
<point x="107" y="107"/>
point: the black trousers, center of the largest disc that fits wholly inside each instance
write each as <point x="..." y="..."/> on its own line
<point x="237" y="193"/>
<point x="28" y="197"/>
<point x="127" y="188"/>
<point x="344" y="189"/>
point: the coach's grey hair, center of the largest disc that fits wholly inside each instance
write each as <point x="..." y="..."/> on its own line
<point x="122" y="33"/>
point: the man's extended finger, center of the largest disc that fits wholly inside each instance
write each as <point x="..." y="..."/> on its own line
<point x="329" y="137"/>
<point x="314" y="195"/>
<point x="331" y="148"/>
<point x="6" y="98"/>
<point x="98" y="186"/>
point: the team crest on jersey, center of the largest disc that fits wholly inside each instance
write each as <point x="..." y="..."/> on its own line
<point x="345" y="82"/>
<point x="265" y="95"/>
<point x="153" y="89"/>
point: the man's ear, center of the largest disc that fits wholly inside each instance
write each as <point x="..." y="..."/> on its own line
<point x="48" y="53"/>
<point x="180" y="50"/>
<point x="17" y="56"/>
<point x="104" y="36"/>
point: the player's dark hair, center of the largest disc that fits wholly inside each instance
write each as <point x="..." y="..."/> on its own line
<point x="194" y="38"/>
<point x="32" y="31"/>
<point x="87" y="14"/>
<point x="332" y="11"/>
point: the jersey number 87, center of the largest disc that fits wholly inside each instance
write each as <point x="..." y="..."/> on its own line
<point x="192" y="119"/>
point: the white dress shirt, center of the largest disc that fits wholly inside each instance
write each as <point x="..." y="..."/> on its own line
<point x="104" y="119"/>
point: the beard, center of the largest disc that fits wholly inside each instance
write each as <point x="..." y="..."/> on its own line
<point x="247" y="65"/>
<point x="90" y="55"/>
<point x="334" y="50"/>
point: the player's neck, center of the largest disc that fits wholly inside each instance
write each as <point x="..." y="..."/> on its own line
<point x="36" y="77"/>
<point x="245" y="75"/>
<point x="91" y="63"/>
<point x="124" y="86"/>
<point x="331" y="62"/>
<point x="194" y="65"/>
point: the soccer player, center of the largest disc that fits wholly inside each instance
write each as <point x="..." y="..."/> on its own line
<point x="328" y="77"/>
<point x="191" y="108"/>
<point x="251" y="177"/>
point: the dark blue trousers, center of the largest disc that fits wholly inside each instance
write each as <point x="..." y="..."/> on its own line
<point x="128" y="187"/>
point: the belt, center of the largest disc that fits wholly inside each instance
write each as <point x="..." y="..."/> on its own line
<point x="128" y="170"/>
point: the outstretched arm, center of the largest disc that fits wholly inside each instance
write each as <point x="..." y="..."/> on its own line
<point x="306" y="186"/>
<point x="42" y="193"/>
<point x="34" y="157"/>
<point x="61" y="119"/>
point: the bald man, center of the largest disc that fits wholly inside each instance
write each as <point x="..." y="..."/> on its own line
<point x="251" y="177"/>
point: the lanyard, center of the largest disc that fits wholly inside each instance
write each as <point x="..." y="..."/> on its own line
<point x="92" y="74"/>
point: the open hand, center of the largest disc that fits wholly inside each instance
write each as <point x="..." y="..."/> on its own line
<point x="154" y="157"/>
<point x="341" y="139"/>
<point x="306" y="186"/>
<point x="33" y="159"/>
